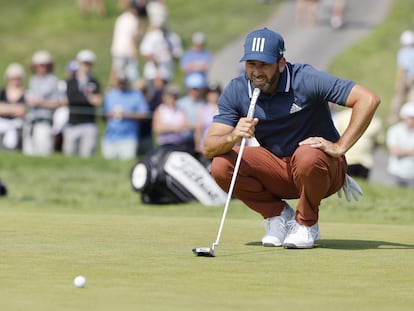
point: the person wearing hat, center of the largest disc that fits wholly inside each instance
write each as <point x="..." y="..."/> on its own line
<point x="12" y="108"/>
<point x="160" y="48"/>
<point x="191" y="103"/>
<point x="400" y="144"/>
<point x="80" y="135"/>
<point x="404" y="81"/>
<point x="43" y="97"/>
<point x="124" y="108"/>
<point x="301" y="155"/>
<point x="197" y="58"/>
<point x="125" y="41"/>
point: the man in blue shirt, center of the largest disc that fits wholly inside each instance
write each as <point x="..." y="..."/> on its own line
<point x="197" y="59"/>
<point x="124" y="108"/>
<point x="301" y="154"/>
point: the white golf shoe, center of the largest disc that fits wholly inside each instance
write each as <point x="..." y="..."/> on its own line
<point x="276" y="227"/>
<point x="301" y="236"/>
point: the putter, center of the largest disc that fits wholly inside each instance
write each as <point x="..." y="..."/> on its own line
<point x="210" y="251"/>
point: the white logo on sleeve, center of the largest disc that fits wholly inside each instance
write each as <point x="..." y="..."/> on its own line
<point x="258" y="44"/>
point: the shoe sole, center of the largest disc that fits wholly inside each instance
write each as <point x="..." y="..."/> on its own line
<point x="294" y="246"/>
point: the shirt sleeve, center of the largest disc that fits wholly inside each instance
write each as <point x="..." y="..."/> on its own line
<point x="323" y="86"/>
<point x="229" y="106"/>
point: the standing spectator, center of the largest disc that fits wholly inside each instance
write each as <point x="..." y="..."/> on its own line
<point x="146" y="143"/>
<point x="333" y="11"/>
<point x="42" y="98"/>
<point x="12" y="108"/>
<point x="306" y="12"/>
<point x="169" y="122"/>
<point x="400" y="143"/>
<point x="124" y="43"/>
<point x="404" y="83"/>
<point x="80" y="136"/>
<point x="160" y="48"/>
<point x="360" y="157"/>
<point x="61" y="114"/>
<point x="337" y="19"/>
<point x="206" y="114"/>
<point x="192" y="102"/>
<point x="197" y="58"/>
<point x="123" y="109"/>
<point x="87" y="6"/>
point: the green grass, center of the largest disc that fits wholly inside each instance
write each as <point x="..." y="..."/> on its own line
<point x="69" y="216"/>
<point x="144" y="262"/>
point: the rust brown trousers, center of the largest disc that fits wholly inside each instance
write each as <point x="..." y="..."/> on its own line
<point x="264" y="180"/>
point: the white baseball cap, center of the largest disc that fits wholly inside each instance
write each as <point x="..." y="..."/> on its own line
<point x="198" y="38"/>
<point x="14" y="70"/>
<point x="407" y="110"/>
<point x="86" y="56"/>
<point x="42" y="58"/>
<point x="407" y="37"/>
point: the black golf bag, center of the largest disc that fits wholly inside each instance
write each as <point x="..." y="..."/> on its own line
<point x="171" y="174"/>
<point x="3" y="189"/>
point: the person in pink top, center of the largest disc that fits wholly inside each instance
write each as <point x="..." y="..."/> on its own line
<point x="169" y="123"/>
<point x="206" y="114"/>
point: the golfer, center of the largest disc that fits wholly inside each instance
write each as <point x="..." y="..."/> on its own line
<point x="301" y="155"/>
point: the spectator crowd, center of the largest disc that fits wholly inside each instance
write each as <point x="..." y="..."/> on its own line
<point x="141" y="106"/>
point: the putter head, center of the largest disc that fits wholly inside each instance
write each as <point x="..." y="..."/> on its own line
<point x="204" y="252"/>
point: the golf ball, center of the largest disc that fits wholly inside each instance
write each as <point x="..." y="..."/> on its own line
<point x="80" y="281"/>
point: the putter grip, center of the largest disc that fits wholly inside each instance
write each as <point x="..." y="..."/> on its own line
<point x="256" y="93"/>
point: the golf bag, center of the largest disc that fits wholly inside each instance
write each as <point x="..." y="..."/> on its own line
<point x="3" y="189"/>
<point x="171" y="174"/>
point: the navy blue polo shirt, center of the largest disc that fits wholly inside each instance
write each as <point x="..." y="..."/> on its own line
<point x="298" y="109"/>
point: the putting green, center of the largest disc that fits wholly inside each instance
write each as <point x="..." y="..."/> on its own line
<point x="138" y="262"/>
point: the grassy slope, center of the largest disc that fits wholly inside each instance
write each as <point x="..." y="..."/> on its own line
<point x="58" y="26"/>
<point x="372" y="62"/>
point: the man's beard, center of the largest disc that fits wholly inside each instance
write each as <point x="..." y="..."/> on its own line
<point x="268" y="84"/>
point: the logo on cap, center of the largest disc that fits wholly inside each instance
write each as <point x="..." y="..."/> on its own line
<point x="258" y="44"/>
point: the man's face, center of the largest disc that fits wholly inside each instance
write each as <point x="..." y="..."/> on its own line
<point x="263" y="75"/>
<point x="409" y="122"/>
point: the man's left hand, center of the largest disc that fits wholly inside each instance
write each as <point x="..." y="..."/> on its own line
<point x="325" y="145"/>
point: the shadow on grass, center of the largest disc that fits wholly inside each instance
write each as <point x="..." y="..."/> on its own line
<point x="352" y="244"/>
<point x="361" y="244"/>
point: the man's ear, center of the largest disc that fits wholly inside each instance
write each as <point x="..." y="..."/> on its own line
<point x="282" y="64"/>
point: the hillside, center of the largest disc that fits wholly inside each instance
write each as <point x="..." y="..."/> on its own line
<point x="58" y="26"/>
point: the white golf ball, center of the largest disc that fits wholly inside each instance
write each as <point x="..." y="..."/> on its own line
<point x="80" y="281"/>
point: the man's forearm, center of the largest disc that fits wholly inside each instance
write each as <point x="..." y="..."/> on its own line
<point x="219" y="144"/>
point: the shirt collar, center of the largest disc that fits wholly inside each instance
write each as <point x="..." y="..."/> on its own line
<point x="284" y="81"/>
